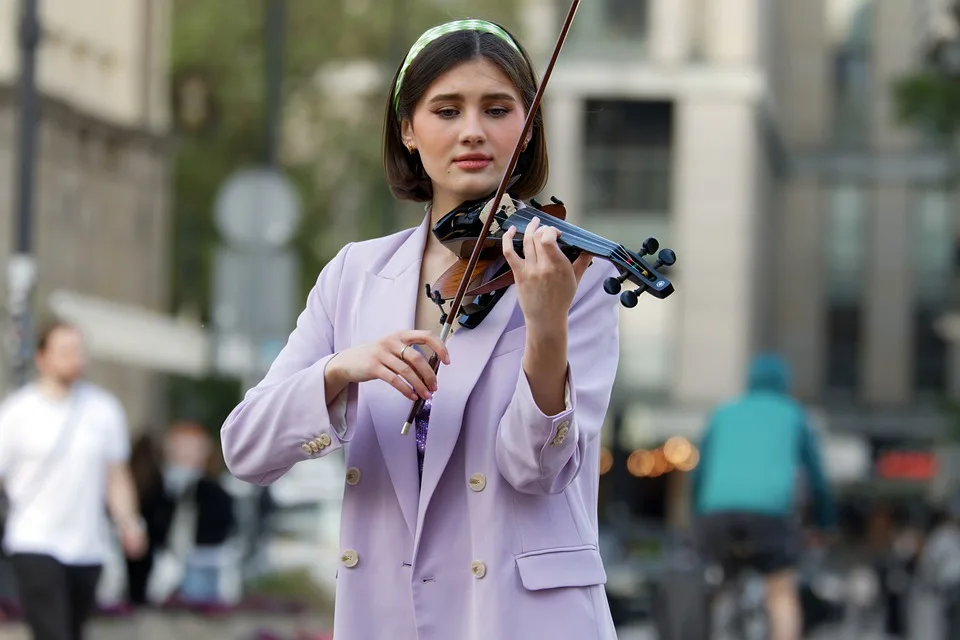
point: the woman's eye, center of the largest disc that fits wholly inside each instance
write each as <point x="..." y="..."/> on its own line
<point x="498" y="111"/>
<point x="446" y="113"/>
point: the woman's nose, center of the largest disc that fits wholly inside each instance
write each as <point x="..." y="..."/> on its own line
<point x="473" y="131"/>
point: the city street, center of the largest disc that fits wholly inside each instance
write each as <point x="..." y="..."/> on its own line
<point x="167" y="626"/>
<point x="923" y="625"/>
<point x="154" y="626"/>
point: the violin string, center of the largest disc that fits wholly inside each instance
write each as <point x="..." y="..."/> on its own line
<point x="566" y="227"/>
<point x="590" y="240"/>
<point x="603" y="249"/>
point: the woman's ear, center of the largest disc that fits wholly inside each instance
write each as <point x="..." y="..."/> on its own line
<point x="406" y="133"/>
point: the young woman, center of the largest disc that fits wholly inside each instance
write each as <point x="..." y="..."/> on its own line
<point x="482" y="524"/>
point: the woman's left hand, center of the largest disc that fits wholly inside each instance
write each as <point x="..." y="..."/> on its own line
<point x="546" y="279"/>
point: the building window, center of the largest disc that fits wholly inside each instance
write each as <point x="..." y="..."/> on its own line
<point x="627" y="157"/>
<point x="846" y="260"/>
<point x="933" y="274"/>
<point x="607" y="27"/>
<point x="625" y="18"/>
<point x="850" y="32"/>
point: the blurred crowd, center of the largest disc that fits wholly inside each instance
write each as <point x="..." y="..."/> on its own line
<point x="194" y="550"/>
<point x="194" y="545"/>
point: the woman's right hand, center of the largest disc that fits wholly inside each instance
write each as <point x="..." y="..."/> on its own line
<point x="380" y="360"/>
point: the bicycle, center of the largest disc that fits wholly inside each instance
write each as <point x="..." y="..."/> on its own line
<point x="741" y="589"/>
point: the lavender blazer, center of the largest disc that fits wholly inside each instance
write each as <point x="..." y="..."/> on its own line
<point x="500" y="540"/>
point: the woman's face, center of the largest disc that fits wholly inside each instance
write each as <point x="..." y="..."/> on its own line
<point x="465" y="128"/>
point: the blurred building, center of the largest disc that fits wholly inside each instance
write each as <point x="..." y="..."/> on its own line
<point x="757" y="139"/>
<point x="102" y="217"/>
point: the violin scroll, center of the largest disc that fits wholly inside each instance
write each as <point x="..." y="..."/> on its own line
<point x="661" y="287"/>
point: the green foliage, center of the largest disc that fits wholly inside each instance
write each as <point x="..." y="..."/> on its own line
<point x="929" y="101"/>
<point x="208" y="401"/>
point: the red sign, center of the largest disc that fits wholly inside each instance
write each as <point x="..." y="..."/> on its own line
<point x="906" y="465"/>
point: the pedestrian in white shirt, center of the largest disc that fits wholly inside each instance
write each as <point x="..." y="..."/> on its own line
<point x="64" y="446"/>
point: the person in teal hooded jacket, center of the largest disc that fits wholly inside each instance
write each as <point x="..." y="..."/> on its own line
<point x="753" y="452"/>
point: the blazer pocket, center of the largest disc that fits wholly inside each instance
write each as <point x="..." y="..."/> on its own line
<point x="511" y="341"/>
<point x="562" y="567"/>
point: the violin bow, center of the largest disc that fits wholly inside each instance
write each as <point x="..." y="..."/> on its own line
<point x="501" y="189"/>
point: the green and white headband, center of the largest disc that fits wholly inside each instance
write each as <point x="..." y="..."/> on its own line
<point x="441" y="30"/>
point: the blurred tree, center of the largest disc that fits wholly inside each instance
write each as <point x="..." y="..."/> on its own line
<point x="339" y="56"/>
<point x="929" y="98"/>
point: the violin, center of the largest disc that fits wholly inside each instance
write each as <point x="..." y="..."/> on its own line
<point x="460" y="230"/>
<point x="484" y="275"/>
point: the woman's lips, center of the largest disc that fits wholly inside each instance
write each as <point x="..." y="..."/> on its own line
<point x="472" y="161"/>
<point x="470" y="165"/>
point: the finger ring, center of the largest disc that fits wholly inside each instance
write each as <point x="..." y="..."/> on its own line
<point x="402" y="350"/>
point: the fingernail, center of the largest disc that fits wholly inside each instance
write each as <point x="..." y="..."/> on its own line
<point x="512" y="229"/>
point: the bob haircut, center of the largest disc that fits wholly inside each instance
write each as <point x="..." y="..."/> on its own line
<point x="404" y="172"/>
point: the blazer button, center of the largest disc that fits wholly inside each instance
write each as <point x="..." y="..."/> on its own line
<point x="477" y="482"/>
<point x="349" y="558"/>
<point x="353" y="476"/>
<point x="324" y="440"/>
<point x="562" y="431"/>
<point x="306" y="448"/>
<point x="479" y="569"/>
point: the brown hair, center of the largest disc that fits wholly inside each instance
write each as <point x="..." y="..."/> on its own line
<point x="47" y="330"/>
<point x="404" y="172"/>
<point x="145" y="465"/>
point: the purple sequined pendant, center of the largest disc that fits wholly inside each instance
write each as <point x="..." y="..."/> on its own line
<point x="422" y="421"/>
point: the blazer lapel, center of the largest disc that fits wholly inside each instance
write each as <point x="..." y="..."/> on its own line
<point x="389" y="305"/>
<point x="470" y="350"/>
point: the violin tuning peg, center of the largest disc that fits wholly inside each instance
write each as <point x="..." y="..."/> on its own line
<point x="536" y="203"/>
<point x="629" y="299"/>
<point x="555" y="200"/>
<point x="665" y="258"/>
<point x="612" y="284"/>
<point x="649" y="247"/>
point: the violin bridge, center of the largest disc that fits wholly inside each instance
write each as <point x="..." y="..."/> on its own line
<point x="506" y="203"/>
